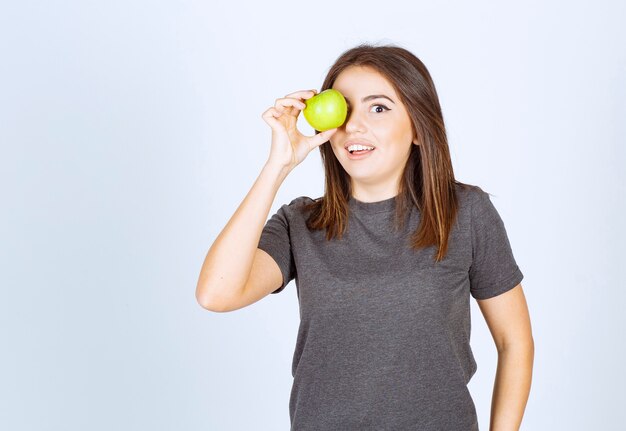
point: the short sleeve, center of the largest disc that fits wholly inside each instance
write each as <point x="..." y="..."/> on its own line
<point x="493" y="270"/>
<point x="275" y="240"/>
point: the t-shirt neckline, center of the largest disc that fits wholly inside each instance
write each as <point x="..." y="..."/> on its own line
<point x="385" y="205"/>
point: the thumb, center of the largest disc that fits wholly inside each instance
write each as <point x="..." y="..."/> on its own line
<point x="322" y="137"/>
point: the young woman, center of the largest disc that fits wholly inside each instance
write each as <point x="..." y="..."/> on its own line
<point x="384" y="262"/>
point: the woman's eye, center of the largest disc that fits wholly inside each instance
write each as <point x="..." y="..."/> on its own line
<point x="380" y="106"/>
<point x="375" y="106"/>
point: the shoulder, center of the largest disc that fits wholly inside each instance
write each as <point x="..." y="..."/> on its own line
<point x="294" y="209"/>
<point x="301" y="201"/>
<point x="471" y="196"/>
<point x="484" y="217"/>
<point x="476" y="206"/>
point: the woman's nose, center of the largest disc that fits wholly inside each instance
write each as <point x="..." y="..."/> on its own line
<point x="354" y="122"/>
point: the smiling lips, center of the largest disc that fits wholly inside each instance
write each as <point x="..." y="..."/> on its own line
<point x="357" y="146"/>
<point x="357" y="154"/>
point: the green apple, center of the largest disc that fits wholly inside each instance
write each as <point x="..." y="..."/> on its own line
<point x="326" y="110"/>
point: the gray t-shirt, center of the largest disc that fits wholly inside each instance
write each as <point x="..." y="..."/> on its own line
<point x="384" y="335"/>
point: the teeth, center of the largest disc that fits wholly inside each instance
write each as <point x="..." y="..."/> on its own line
<point x="352" y="148"/>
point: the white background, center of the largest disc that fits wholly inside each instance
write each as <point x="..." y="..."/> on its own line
<point x="132" y="130"/>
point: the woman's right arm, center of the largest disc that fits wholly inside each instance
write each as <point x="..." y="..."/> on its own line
<point x="227" y="266"/>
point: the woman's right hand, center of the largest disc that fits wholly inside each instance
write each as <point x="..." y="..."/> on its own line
<point x="289" y="146"/>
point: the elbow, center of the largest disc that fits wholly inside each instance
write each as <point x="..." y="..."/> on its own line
<point x="204" y="300"/>
<point x="526" y="344"/>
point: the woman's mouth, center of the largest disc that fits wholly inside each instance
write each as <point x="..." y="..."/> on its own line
<point x="359" y="154"/>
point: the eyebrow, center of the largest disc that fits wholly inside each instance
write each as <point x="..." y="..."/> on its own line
<point x="372" y="97"/>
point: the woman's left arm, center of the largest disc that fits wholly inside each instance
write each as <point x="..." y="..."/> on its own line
<point x="509" y="323"/>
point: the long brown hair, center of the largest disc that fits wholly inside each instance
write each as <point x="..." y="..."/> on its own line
<point x="428" y="181"/>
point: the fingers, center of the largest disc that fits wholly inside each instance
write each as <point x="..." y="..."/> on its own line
<point x="290" y="104"/>
<point x="270" y="116"/>
<point x="320" y="138"/>
<point x="286" y="103"/>
<point x="304" y="94"/>
<point x="294" y="100"/>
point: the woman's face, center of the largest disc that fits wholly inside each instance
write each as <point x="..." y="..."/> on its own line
<point x="376" y="118"/>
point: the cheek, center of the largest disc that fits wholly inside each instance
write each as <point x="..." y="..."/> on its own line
<point x="390" y="136"/>
<point x="338" y="152"/>
<point x="401" y="134"/>
<point x="334" y="144"/>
